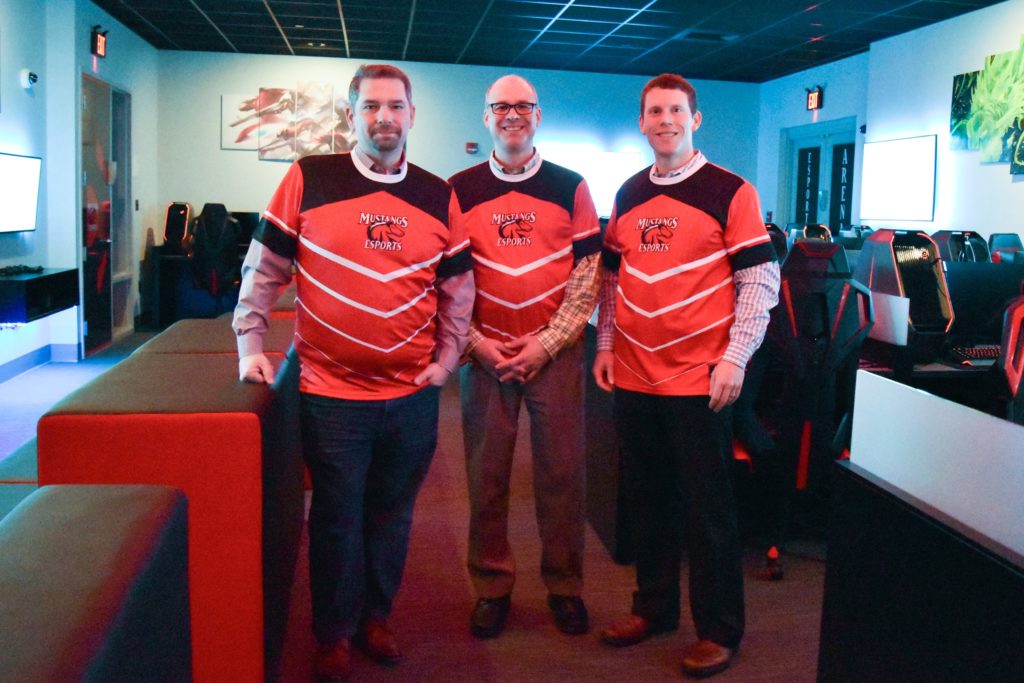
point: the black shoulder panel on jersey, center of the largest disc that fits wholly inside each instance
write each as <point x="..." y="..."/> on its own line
<point x="635" y="191"/>
<point x="275" y="239"/>
<point x="586" y="246"/>
<point x="461" y="262"/>
<point x="329" y="178"/>
<point x="610" y="260"/>
<point x="710" y="189"/>
<point x="552" y="183"/>
<point x="425" y="191"/>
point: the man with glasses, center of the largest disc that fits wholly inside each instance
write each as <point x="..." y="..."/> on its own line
<point x="385" y="291"/>
<point x="535" y="240"/>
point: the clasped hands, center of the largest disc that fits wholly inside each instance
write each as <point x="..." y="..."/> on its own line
<point x="518" y="360"/>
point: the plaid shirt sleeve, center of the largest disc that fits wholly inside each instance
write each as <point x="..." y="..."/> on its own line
<point x="757" y="292"/>
<point x="577" y="305"/>
<point x="606" y="310"/>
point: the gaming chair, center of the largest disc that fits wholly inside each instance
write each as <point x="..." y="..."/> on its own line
<point x="814" y="337"/>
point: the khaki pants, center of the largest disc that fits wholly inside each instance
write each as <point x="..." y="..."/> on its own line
<point x="490" y="418"/>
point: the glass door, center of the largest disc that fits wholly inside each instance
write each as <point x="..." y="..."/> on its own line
<point x="96" y="209"/>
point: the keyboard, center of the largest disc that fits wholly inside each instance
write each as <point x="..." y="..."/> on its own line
<point x="973" y="354"/>
<point x="19" y="270"/>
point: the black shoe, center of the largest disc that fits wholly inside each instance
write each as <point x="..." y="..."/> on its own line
<point x="489" y="615"/>
<point x="570" y="614"/>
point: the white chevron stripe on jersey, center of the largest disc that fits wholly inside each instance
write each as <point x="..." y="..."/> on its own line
<point x="503" y="333"/>
<point x="524" y="304"/>
<point x="652" y="349"/>
<point x="586" y="233"/>
<point x="458" y="247"/>
<point x="654" y="383"/>
<point x="340" y="365"/>
<point x="362" y="307"/>
<point x="368" y="272"/>
<point x="516" y="272"/>
<point x="360" y="341"/>
<point x="752" y="240"/>
<point x="651" y="279"/>
<point x="280" y="223"/>
<point x="671" y="307"/>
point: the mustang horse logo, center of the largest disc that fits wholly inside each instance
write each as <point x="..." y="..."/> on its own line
<point x="514" y="229"/>
<point x="385" y="231"/>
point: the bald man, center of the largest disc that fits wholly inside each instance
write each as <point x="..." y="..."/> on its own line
<point x="535" y="241"/>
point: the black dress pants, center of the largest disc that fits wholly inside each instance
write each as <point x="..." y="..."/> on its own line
<point x="679" y="488"/>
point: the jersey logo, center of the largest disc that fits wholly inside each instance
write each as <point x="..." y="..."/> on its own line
<point x="655" y="233"/>
<point x="384" y="232"/>
<point x="514" y="228"/>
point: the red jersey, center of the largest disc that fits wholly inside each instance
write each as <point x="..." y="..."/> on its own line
<point x="675" y="243"/>
<point x="367" y="253"/>
<point x="526" y="231"/>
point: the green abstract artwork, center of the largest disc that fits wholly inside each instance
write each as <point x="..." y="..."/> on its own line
<point x="987" y="110"/>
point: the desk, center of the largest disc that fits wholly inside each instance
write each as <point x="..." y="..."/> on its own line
<point x="925" y="576"/>
<point x="981" y="387"/>
<point x="175" y="297"/>
<point x="30" y="296"/>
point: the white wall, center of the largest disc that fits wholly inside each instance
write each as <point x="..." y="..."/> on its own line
<point x="783" y="106"/>
<point x="52" y="39"/>
<point x="577" y="107"/>
<point x="909" y="93"/>
<point x="22" y="114"/>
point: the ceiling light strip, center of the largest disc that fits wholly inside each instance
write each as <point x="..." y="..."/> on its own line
<point x="150" y="24"/>
<point x="278" y="25"/>
<point x="475" y="30"/>
<point x="215" y="27"/>
<point x="408" y="31"/>
<point x="600" y="40"/>
<point x="344" y="29"/>
<point x="544" y="30"/>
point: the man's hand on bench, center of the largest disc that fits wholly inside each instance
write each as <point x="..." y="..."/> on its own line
<point x="256" y="368"/>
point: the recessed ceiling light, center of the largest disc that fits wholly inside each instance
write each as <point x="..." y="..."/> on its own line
<point x="300" y="26"/>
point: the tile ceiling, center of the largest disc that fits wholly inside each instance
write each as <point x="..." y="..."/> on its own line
<point x="732" y="40"/>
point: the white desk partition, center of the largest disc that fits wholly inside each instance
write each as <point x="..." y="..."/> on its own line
<point x="962" y="462"/>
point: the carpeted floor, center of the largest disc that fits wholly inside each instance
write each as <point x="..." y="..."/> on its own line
<point x="24" y="398"/>
<point x="432" y="609"/>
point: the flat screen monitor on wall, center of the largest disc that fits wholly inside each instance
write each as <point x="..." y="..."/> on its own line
<point x="19" y="192"/>
<point x="898" y="180"/>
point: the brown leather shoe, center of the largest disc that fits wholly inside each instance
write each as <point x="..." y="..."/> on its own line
<point x="706" y="658"/>
<point x="377" y="641"/>
<point x="334" y="662"/>
<point x="632" y="630"/>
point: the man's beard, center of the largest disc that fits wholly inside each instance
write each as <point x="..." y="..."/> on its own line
<point x="389" y="143"/>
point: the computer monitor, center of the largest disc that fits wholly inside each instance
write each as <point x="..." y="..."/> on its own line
<point x="247" y="222"/>
<point x="19" y="192"/>
<point x="980" y="293"/>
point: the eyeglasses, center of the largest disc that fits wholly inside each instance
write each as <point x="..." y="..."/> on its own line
<point x="522" y="108"/>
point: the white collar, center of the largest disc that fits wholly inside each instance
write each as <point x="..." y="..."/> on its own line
<point x="530" y="170"/>
<point x="676" y="175"/>
<point x="365" y="165"/>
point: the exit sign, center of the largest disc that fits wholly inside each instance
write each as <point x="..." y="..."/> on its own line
<point x="99" y="42"/>
<point x="815" y="99"/>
